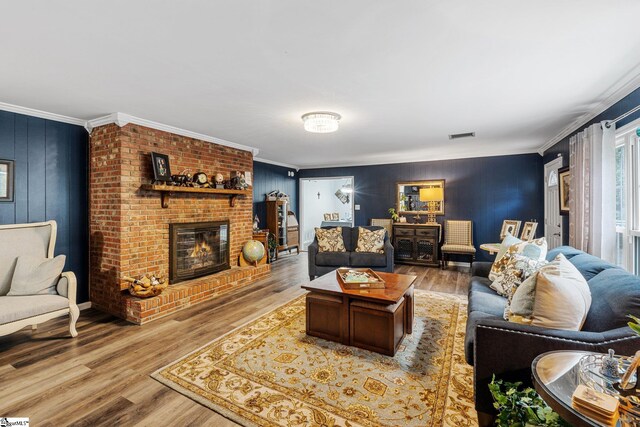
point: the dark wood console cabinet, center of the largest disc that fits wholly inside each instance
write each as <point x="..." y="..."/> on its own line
<point x="417" y="244"/>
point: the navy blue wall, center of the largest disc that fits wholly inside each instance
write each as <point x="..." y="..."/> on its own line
<point x="268" y="177"/>
<point x="51" y="162"/>
<point x="486" y="190"/>
<point x="562" y="147"/>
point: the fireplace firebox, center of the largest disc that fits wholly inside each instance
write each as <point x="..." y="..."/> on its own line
<point x="197" y="249"/>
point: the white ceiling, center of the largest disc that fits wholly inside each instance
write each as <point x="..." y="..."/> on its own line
<point x="403" y="74"/>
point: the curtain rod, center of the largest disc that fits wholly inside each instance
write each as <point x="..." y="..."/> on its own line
<point x="617" y="119"/>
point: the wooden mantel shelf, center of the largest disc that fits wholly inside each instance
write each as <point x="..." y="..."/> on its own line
<point x="167" y="190"/>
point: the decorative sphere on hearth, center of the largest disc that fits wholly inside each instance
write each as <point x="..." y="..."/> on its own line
<point x="253" y="251"/>
<point x="219" y="178"/>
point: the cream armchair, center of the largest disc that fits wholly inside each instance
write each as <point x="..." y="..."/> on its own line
<point x="16" y="312"/>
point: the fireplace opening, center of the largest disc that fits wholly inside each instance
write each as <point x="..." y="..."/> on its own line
<point x="197" y="249"/>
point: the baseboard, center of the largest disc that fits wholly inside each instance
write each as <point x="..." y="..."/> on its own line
<point x="84" y="305"/>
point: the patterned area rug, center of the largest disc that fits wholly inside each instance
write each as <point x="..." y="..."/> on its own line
<point x="270" y="373"/>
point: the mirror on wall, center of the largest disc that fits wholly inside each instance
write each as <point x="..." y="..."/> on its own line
<point x="410" y="201"/>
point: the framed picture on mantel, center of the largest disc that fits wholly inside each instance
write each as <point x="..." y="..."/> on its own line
<point x="6" y="180"/>
<point x="161" y="169"/>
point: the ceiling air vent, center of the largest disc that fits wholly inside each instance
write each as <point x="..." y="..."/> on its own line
<point x="462" y="135"/>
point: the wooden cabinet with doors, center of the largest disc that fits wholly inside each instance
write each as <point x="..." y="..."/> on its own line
<point x="417" y="244"/>
<point x="282" y="224"/>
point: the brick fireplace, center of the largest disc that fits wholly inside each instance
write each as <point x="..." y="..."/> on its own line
<point x="130" y="231"/>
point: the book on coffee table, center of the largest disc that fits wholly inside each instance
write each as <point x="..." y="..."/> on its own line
<point x="359" y="278"/>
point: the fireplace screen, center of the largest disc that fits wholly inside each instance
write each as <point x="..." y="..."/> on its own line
<point x="197" y="249"/>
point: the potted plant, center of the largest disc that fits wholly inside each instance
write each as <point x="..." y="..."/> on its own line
<point x="635" y="325"/>
<point x="394" y="215"/>
<point x="273" y="246"/>
<point x="521" y="408"/>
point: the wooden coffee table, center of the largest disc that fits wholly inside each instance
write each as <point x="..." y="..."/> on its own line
<point x="375" y="319"/>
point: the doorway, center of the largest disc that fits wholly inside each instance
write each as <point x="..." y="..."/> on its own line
<point x="325" y="201"/>
<point x="552" y="218"/>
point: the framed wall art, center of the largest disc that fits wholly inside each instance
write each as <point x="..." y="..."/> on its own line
<point x="529" y="231"/>
<point x="510" y="226"/>
<point x="6" y="180"/>
<point x="564" y="176"/>
<point x="161" y="169"/>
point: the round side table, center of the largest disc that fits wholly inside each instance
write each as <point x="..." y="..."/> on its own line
<point x="555" y="378"/>
<point x="492" y="248"/>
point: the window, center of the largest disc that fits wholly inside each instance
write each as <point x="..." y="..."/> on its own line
<point x="627" y="198"/>
<point x="553" y="179"/>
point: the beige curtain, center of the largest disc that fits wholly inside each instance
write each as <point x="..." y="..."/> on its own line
<point x="592" y="191"/>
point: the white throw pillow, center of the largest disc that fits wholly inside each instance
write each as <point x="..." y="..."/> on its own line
<point x="556" y="297"/>
<point x="35" y="275"/>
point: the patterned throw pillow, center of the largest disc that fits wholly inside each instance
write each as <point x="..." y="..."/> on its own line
<point x="370" y="241"/>
<point x="535" y="249"/>
<point x="330" y="240"/>
<point x="518" y="268"/>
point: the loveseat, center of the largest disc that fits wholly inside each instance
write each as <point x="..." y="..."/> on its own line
<point x="496" y="346"/>
<point x="16" y="312"/>
<point x="321" y="263"/>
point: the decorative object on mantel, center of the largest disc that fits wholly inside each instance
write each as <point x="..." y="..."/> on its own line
<point x="218" y="182"/>
<point x="200" y="179"/>
<point x="182" y="180"/>
<point x="253" y="253"/>
<point x="6" y="180"/>
<point x="256" y="223"/>
<point x="161" y="169"/>
<point x="167" y="190"/>
<point x="238" y="181"/>
<point x="146" y="286"/>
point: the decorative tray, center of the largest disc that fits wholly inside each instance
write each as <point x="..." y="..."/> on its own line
<point x="359" y="278"/>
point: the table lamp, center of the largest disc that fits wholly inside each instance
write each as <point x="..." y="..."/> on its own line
<point x="431" y="195"/>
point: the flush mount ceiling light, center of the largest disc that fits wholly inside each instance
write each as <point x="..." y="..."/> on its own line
<point x="321" y="121"/>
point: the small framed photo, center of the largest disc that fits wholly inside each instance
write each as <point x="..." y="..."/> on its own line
<point x="510" y="226"/>
<point x="528" y="231"/>
<point x="335" y="216"/>
<point x="161" y="169"/>
<point x="564" y="176"/>
<point x="327" y="217"/>
<point x="6" y="180"/>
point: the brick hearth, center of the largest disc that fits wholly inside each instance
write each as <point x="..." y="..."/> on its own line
<point x="130" y="230"/>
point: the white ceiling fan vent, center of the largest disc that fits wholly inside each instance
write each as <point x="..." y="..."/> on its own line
<point x="462" y="135"/>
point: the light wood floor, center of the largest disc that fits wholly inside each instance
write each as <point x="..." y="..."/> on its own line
<point x="102" y="376"/>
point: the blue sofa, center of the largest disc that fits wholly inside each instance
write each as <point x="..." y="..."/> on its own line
<point x="496" y="346"/>
<point x="320" y="263"/>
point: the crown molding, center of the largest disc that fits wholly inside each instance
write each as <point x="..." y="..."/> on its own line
<point x="421" y="159"/>
<point x="273" y="162"/>
<point x="41" y="114"/>
<point x="122" y="119"/>
<point x="619" y="91"/>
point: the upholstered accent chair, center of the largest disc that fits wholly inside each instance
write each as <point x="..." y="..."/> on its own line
<point x="458" y="239"/>
<point x="16" y="312"/>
